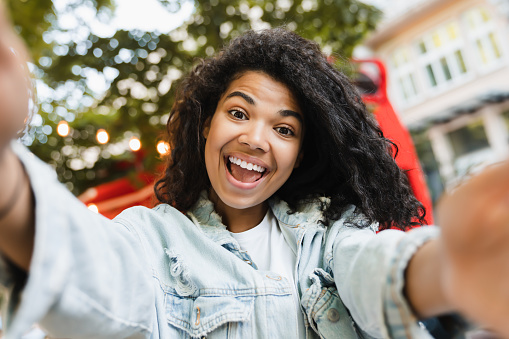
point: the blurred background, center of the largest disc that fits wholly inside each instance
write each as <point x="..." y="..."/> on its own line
<point x="106" y="71"/>
<point x="448" y="79"/>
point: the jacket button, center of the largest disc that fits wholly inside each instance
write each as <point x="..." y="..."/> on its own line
<point x="333" y="315"/>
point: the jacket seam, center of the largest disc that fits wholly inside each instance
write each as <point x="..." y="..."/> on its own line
<point x="394" y="295"/>
<point x="132" y="230"/>
<point x="100" y="309"/>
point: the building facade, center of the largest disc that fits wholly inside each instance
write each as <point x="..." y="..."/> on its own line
<point x="448" y="78"/>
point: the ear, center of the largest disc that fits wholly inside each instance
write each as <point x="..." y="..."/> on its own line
<point x="299" y="159"/>
<point x="206" y="127"/>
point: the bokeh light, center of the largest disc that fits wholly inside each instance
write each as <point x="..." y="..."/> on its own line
<point x="134" y="144"/>
<point x="163" y="147"/>
<point x="102" y="136"/>
<point x="93" y="207"/>
<point x="63" y="128"/>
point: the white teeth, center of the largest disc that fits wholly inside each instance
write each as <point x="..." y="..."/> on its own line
<point x="247" y="165"/>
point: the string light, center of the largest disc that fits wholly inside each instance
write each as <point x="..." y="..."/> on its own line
<point x="63" y="128"/>
<point x="134" y="144"/>
<point x="163" y="147"/>
<point x="93" y="208"/>
<point x="102" y="136"/>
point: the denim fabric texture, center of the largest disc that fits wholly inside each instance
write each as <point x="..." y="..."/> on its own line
<point x="158" y="273"/>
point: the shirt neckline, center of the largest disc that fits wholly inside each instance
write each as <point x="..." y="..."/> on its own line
<point x="263" y="227"/>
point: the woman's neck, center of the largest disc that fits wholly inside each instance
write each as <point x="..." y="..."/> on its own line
<point x="238" y="220"/>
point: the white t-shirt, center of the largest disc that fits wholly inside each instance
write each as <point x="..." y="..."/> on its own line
<point x="269" y="250"/>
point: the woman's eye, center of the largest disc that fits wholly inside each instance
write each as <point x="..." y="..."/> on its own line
<point x="284" y="131"/>
<point x="238" y="114"/>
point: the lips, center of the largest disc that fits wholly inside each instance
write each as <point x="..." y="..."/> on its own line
<point x="244" y="171"/>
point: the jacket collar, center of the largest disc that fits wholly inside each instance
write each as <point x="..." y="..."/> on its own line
<point x="203" y="215"/>
<point x="206" y="219"/>
<point x="305" y="215"/>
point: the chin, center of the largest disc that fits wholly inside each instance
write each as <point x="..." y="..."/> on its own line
<point x="241" y="203"/>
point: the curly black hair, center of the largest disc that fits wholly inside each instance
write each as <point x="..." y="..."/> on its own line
<point x="346" y="157"/>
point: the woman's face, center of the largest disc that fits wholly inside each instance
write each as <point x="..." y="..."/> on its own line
<point x="253" y="140"/>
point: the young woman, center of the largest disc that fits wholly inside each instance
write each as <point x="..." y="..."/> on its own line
<point x="277" y="181"/>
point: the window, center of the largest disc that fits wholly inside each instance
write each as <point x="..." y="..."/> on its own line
<point x="446" y="55"/>
<point x="422" y="47"/>
<point x="431" y="75"/>
<point x="469" y="139"/>
<point x="460" y="61"/>
<point x="428" y="163"/>
<point x="440" y="55"/>
<point x="505" y="116"/>
<point x="484" y="38"/>
<point x="402" y="70"/>
<point x="494" y="45"/>
<point x="452" y="31"/>
<point x="471" y="148"/>
<point x="445" y="69"/>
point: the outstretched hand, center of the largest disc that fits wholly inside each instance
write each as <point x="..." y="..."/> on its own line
<point x="475" y="244"/>
<point x="16" y="203"/>
<point x="15" y="86"/>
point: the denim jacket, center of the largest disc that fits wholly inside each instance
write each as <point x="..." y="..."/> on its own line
<point x="158" y="273"/>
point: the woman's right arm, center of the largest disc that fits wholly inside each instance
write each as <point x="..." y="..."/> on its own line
<point x="16" y="206"/>
<point x="71" y="270"/>
<point x="16" y="211"/>
<point x="88" y="276"/>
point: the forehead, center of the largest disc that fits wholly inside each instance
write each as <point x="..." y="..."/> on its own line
<point x="259" y="88"/>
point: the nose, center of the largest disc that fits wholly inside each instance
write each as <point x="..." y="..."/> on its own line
<point x="255" y="136"/>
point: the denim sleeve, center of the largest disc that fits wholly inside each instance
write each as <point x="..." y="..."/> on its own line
<point x="87" y="277"/>
<point x="369" y="273"/>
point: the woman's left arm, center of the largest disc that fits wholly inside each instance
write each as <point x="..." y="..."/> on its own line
<point x="369" y="271"/>
<point x="423" y="283"/>
<point x="390" y="280"/>
<point x="467" y="268"/>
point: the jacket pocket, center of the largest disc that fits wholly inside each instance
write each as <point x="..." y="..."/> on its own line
<point x="330" y="317"/>
<point x="199" y="316"/>
<point x="325" y="311"/>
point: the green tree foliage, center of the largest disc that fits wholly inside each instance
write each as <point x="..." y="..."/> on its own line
<point x="141" y="70"/>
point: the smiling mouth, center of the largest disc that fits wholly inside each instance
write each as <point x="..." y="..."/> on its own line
<point x="244" y="171"/>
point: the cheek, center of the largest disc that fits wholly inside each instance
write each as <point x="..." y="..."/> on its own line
<point x="218" y="136"/>
<point x="288" y="159"/>
<point x="208" y="156"/>
<point x="213" y="146"/>
<point x="210" y="165"/>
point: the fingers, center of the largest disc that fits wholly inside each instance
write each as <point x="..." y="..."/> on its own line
<point x="15" y="86"/>
<point x="476" y="214"/>
<point x="475" y="228"/>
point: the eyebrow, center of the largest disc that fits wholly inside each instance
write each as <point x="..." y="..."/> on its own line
<point x="242" y="95"/>
<point x="290" y="113"/>
<point x="249" y="100"/>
